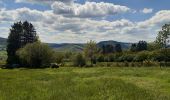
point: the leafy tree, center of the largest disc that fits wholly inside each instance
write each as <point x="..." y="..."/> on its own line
<point x="141" y="56"/>
<point x="36" y="55"/>
<point x="133" y="47"/>
<point x="20" y="34"/>
<point x="90" y="51"/>
<point x="14" y="43"/>
<point x="141" y="46"/>
<point x="79" y="60"/>
<point x="118" y="48"/>
<point x="163" y="35"/>
<point x="59" y="57"/>
<point x="153" y="46"/>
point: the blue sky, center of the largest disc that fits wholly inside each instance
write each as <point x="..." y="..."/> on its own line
<point x="82" y="20"/>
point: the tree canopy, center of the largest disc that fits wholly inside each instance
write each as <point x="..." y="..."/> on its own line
<point x="163" y="35"/>
<point x="21" y="33"/>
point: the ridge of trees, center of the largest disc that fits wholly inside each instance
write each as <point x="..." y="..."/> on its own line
<point x="25" y="49"/>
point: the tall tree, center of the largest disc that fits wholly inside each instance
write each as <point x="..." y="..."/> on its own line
<point x="133" y="47"/>
<point x="91" y="50"/>
<point x="163" y="35"/>
<point x="14" y="43"/>
<point x="20" y="34"/>
<point x="142" y="45"/>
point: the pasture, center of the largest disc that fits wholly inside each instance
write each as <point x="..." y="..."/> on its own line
<point x="99" y="83"/>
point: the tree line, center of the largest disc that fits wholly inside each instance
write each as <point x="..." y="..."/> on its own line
<point x="25" y="49"/>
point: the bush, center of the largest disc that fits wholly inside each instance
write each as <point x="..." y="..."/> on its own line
<point x="59" y="57"/>
<point x="160" y="55"/>
<point x="141" y="56"/>
<point x="100" y="58"/>
<point x="79" y="60"/>
<point x="126" y="57"/>
<point x="36" y="55"/>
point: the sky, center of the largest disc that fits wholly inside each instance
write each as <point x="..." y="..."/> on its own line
<point x="78" y="21"/>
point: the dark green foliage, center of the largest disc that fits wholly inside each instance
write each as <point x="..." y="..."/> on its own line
<point x="160" y="55"/>
<point x="100" y="58"/>
<point x="153" y="46"/>
<point x="140" y="46"/>
<point x="118" y="48"/>
<point x="59" y="57"/>
<point x="141" y="56"/>
<point x="79" y="60"/>
<point x="133" y="47"/>
<point x="106" y="49"/>
<point x="36" y="55"/>
<point x="20" y="34"/>
<point x="127" y="57"/>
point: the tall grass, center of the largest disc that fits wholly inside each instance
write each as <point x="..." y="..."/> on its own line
<point x="85" y="84"/>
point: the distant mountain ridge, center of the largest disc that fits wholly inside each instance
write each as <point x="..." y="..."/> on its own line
<point x="67" y="46"/>
<point x="75" y="47"/>
<point x="79" y="47"/>
<point x="3" y="43"/>
<point x="124" y="45"/>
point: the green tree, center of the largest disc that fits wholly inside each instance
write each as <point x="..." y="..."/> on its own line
<point x="91" y="51"/>
<point x="163" y="35"/>
<point x="153" y="46"/>
<point x="14" y="43"/>
<point x="141" y="46"/>
<point x="133" y="47"/>
<point x="36" y="55"/>
<point x="79" y="60"/>
<point x="20" y="34"/>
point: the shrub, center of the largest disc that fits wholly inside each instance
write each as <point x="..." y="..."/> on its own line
<point x="36" y="55"/>
<point x="141" y="56"/>
<point x="160" y="55"/>
<point x="100" y="58"/>
<point x="59" y="57"/>
<point x="126" y="57"/>
<point x="79" y="60"/>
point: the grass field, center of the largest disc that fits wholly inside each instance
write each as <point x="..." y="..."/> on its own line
<point x="99" y="83"/>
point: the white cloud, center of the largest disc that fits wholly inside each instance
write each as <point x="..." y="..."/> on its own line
<point x="89" y="9"/>
<point x="147" y="10"/>
<point x="157" y="20"/>
<point x="44" y="1"/>
<point x="53" y="27"/>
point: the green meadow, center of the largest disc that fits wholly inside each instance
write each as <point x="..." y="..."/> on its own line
<point x="99" y="83"/>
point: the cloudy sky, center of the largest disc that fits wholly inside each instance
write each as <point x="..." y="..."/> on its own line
<point x="77" y="21"/>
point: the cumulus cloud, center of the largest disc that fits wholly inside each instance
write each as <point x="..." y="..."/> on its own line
<point x="89" y="9"/>
<point x="157" y="20"/>
<point x="147" y="10"/>
<point x="53" y="27"/>
<point x="44" y="1"/>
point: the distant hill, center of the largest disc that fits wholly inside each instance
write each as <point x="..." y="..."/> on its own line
<point x="79" y="47"/>
<point x="3" y="43"/>
<point x="111" y="42"/>
<point x="74" y="47"/>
